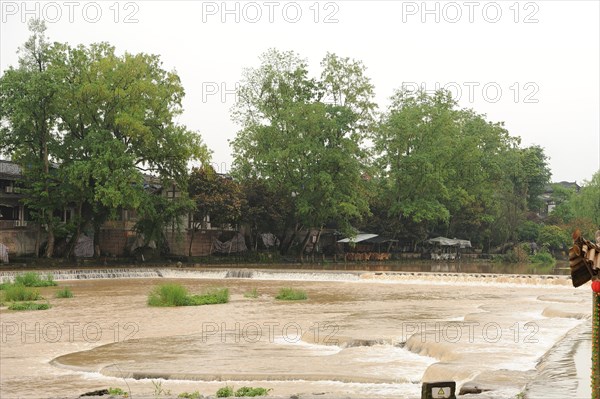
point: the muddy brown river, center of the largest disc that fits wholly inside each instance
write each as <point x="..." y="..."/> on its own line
<point x="357" y="334"/>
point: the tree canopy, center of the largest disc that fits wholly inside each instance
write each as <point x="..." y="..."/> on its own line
<point x="104" y="119"/>
<point x="303" y="135"/>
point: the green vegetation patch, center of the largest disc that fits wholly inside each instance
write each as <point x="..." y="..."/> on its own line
<point x="225" y="392"/>
<point x="177" y="295"/>
<point x="32" y="279"/>
<point x="117" y="392"/>
<point x="192" y="395"/>
<point x="21" y="293"/>
<point x="64" y="293"/>
<point x="251" y="294"/>
<point x="29" y="306"/>
<point x="543" y="259"/>
<point x="290" y="294"/>
<point x="252" y="391"/>
<point x="211" y="297"/>
<point x="168" y="295"/>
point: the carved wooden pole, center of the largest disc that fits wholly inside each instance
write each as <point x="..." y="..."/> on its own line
<point x="596" y="330"/>
<point x="596" y="340"/>
<point x="584" y="260"/>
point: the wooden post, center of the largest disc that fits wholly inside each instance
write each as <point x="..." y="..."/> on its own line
<point x="596" y="326"/>
<point x="596" y="345"/>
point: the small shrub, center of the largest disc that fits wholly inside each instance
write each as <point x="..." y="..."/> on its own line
<point x="117" y="392"/>
<point x="543" y="258"/>
<point x="21" y="293"/>
<point x="29" y="306"/>
<point x="554" y="237"/>
<point x="516" y="255"/>
<point x="168" y="295"/>
<point x="32" y="279"/>
<point x="251" y="294"/>
<point x="176" y="295"/>
<point x="64" y="293"/>
<point x="211" y="297"/>
<point x="193" y="395"/>
<point x="159" y="390"/>
<point x="251" y="391"/>
<point x="290" y="294"/>
<point x="225" y="392"/>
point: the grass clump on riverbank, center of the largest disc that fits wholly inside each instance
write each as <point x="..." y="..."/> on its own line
<point x="64" y="293"/>
<point x="118" y="392"/>
<point x="177" y="295"/>
<point x="227" y="392"/>
<point x="290" y="294"/>
<point x="192" y="395"/>
<point x="29" y="306"/>
<point x="32" y="279"/>
<point x="253" y="294"/>
<point x="14" y="293"/>
<point x="211" y="297"/>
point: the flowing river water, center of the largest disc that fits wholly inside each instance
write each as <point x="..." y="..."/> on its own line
<point x="358" y="334"/>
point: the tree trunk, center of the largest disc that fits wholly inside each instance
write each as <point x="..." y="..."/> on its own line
<point x="38" y="238"/>
<point x="50" y="245"/>
<point x="314" y="249"/>
<point x="75" y="238"/>
<point x="96" y="240"/>
<point x="286" y="247"/>
<point x="304" y="244"/>
<point x="191" y="241"/>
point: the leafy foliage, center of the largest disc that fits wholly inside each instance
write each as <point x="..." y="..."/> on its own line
<point x="28" y="306"/>
<point x="19" y="292"/>
<point x="554" y="237"/>
<point x="172" y="294"/>
<point x="252" y="391"/>
<point x="64" y="293"/>
<point x="168" y="295"/>
<point x="118" y="392"/>
<point x="302" y="136"/>
<point x="105" y="120"/>
<point x="291" y="294"/>
<point x="225" y="392"/>
<point x="190" y="395"/>
<point x="449" y="171"/>
<point x="543" y="258"/>
<point x="216" y="196"/>
<point x="33" y="279"/>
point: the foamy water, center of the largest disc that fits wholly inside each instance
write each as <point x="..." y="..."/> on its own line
<point x="358" y="334"/>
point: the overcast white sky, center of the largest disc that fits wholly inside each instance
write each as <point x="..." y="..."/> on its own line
<point x="532" y="64"/>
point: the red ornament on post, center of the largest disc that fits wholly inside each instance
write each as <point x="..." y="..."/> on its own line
<point x="596" y="286"/>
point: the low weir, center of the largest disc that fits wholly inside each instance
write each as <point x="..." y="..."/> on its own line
<point x="294" y="275"/>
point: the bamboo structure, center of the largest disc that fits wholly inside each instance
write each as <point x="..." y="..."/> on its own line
<point x="584" y="260"/>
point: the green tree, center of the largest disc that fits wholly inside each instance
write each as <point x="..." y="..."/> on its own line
<point x="303" y="136"/>
<point x="216" y="198"/>
<point x="554" y="238"/>
<point x="266" y="209"/>
<point x="563" y="210"/>
<point x="28" y="111"/>
<point x="586" y="203"/>
<point x="117" y="118"/>
<point x="413" y="141"/>
<point x="103" y="119"/>
<point x="449" y="171"/>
